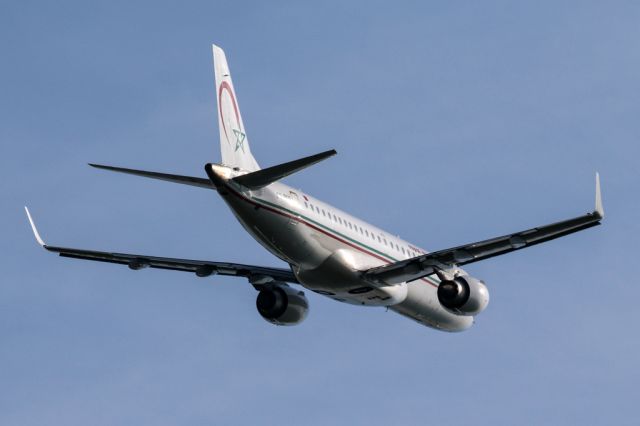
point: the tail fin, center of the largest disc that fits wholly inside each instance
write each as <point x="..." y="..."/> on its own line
<point x="234" y="143"/>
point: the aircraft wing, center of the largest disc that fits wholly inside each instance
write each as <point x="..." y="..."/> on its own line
<point x="256" y="274"/>
<point x="427" y="264"/>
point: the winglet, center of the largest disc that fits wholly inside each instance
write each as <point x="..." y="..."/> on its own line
<point x="599" y="209"/>
<point x="33" y="227"/>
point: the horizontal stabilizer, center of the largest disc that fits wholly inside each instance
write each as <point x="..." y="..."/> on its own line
<point x="185" y="180"/>
<point x="264" y="177"/>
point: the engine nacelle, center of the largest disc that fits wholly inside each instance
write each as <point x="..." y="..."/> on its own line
<point x="463" y="295"/>
<point x="282" y="305"/>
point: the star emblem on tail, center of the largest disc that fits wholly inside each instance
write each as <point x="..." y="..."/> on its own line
<point x="240" y="137"/>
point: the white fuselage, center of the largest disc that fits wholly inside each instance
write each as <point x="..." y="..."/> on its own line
<point x="328" y="248"/>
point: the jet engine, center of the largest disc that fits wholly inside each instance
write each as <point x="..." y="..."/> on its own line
<point x="282" y="305"/>
<point x="463" y="295"/>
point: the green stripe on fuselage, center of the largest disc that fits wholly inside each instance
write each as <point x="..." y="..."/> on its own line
<point x="277" y="206"/>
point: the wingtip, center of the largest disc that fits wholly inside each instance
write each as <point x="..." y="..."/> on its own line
<point x="599" y="209"/>
<point x="33" y="227"/>
<point x="217" y="50"/>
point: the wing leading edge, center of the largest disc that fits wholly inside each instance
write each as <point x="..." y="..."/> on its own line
<point x="421" y="266"/>
<point x="202" y="268"/>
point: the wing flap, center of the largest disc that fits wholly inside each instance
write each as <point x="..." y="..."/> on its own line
<point x="199" y="267"/>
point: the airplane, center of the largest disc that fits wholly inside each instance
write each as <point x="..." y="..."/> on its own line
<point x="329" y="251"/>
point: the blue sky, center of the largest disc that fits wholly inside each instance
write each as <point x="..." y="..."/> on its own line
<point x="454" y="122"/>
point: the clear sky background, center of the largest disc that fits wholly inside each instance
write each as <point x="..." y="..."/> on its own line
<point x="454" y="122"/>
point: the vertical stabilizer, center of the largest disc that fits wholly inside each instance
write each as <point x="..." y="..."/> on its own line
<point x="234" y="143"/>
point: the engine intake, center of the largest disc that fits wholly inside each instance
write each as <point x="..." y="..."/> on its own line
<point x="463" y="295"/>
<point x="282" y="305"/>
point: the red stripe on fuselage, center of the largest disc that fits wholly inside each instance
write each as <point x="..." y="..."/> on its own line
<point x="250" y="201"/>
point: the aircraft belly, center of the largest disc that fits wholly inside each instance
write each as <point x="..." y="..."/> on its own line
<point x="337" y="278"/>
